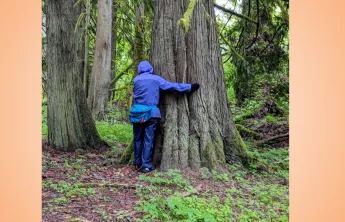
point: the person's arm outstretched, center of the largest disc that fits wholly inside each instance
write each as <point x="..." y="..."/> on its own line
<point x="179" y="87"/>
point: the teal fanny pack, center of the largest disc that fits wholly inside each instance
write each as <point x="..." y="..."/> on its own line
<point x="141" y="113"/>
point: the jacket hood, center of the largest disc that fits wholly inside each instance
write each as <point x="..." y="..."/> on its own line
<point x="145" y="67"/>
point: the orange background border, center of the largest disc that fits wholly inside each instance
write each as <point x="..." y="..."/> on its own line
<point x="317" y="105"/>
<point x="20" y="112"/>
<point x="317" y="84"/>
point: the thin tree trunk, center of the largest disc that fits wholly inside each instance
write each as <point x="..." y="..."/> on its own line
<point x="244" y="82"/>
<point x="70" y="124"/>
<point x="113" y="49"/>
<point x="139" y="35"/>
<point x="196" y="130"/>
<point x="80" y="56"/>
<point x="139" y="46"/>
<point x="87" y="46"/>
<point x="101" y="70"/>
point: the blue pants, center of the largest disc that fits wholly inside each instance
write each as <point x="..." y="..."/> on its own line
<point x="143" y="142"/>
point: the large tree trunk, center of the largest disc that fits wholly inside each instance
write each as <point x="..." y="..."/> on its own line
<point x="101" y="70"/>
<point x="196" y="130"/>
<point x="70" y="124"/>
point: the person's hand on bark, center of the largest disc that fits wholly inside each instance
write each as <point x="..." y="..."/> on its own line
<point x="194" y="87"/>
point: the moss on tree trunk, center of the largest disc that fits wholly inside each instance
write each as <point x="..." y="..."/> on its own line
<point x="247" y="133"/>
<point x="128" y="154"/>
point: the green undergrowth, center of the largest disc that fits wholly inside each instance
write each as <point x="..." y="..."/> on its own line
<point x="172" y="177"/>
<point x="245" y="112"/>
<point x="169" y="198"/>
<point x="44" y="122"/>
<point x="257" y="192"/>
<point x="115" y="132"/>
<point x="110" y="132"/>
<point x="67" y="191"/>
<point x="270" y="160"/>
<point x="71" y="186"/>
<point x="246" y="195"/>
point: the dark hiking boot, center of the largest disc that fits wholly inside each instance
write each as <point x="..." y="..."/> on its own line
<point x="147" y="170"/>
<point x="137" y="166"/>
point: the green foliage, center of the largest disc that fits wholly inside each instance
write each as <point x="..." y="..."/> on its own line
<point x="230" y="74"/>
<point x="80" y="192"/>
<point x="103" y="214"/>
<point x="46" y="184"/>
<point x="66" y="164"/>
<point x="176" y="207"/>
<point x="114" y="114"/>
<point x="191" y="208"/>
<point x="173" y="177"/>
<point x="264" y="202"/>
<point x="277" y="159"/>
<point x="204" y="176"/>
<point x="115" y="132"/>
<point x="60" y="200"/>
<point x="205" y="173"/>
<point x="68" y="190"/>
<point x="77" y="164"/>
<point x="223" y="177"/>
<point x="44" y="122"/>
<point x="253" y="53"/>
<point x="270" y="118"/>
<point x="283" y="104"/>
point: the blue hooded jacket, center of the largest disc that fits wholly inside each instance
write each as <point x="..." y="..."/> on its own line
<point x="147" y="88"/>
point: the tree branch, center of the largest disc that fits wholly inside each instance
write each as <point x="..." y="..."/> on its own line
<point x="271" y="138"/>
<point x="107" y="184"/>
<point x="229" y="18"/>
<point x="233" y="13"/>
<point x="231" y="48"/>
<point x="118" y="89"/>
<point x="121" y="74"/>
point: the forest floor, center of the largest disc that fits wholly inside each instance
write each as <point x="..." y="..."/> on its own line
<point x="89" y="187"/>
<point x="92" y="186"/>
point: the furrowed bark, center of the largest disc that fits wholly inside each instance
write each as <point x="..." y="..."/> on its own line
<point x="70" y="124"/>
<point x="196" y="130"/>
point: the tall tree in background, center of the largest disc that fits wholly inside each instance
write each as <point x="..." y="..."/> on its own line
<point x="113" y="48"/>
<point x="139" y="36"/>
<point x="243" y="82"/>
<point x="101" y="70"/>
<point x="70" y="124"/>
<point x="139" y="52"/>
<point x="87" y="46"/>
<point x="196" y="130"/>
